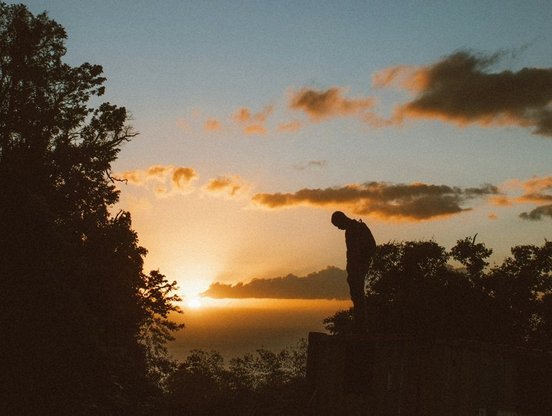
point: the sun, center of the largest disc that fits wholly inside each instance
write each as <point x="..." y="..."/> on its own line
<point x="194" y="303"/>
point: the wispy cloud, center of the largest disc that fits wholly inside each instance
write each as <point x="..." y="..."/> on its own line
<point x="290" y="126"/>
<point x="402" y="76"/>
<point x="229" y="186"/>
<point x="158" y="171"/>
<point x="245" y="115"/>
<point x="212" y="124"/>
<point x="461" y="88"/>
<point x="321" y="105"/>
<point x="537" y="190"/>
<point x="183" y="124"/>
<point x="181" y="177"/>
<point x="162" y="179"/>
<point x="409" y="202"/>
<point x="255" y="129"/>
<point x="253" y="123"/>
<point x="538" y="213"/>
<point x="311" y="164"/>
<point x="134" y="177"/>
<point x="326" y="284"/>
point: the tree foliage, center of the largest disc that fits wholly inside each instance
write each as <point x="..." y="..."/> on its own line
<point x="83" y="327"/>
<point x="418" y="288"/>
<point x="263" y="383"/>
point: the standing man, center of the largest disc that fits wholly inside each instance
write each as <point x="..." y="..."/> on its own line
<point x="361" y="247"/>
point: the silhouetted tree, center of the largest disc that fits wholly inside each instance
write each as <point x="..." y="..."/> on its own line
<point x="414" y="289"/>
<point x="82" y="326"/>
<point x="521" y="288"/>
<point x="263" y="383"/>
<point x="200" y="386"/>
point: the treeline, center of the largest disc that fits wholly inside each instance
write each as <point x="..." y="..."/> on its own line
<point x="418" y="288"/>
<point x="414" y="289"/>
<point x="263" y="383"/>
<point x="83" y="328"/>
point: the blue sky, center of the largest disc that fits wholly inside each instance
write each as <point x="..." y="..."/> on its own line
<point x="187" y="70"/>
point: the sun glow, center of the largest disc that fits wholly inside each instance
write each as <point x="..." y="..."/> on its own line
<point x="194" y="279"/>
<point x="194" y="303"/>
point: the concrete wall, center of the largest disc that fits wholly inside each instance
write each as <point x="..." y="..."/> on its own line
<point x="361" y="375"/>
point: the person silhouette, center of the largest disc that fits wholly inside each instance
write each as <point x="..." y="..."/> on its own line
<point x="361" y="247"/>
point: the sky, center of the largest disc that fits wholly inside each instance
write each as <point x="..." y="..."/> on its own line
<point x="258" y="119"/>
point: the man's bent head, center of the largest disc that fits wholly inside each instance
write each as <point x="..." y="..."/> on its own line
<point x="340" y="220"/>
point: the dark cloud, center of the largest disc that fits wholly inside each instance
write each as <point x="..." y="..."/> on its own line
<point x="538" y="213"/>
<point x="462" y="89"/>
<point x="326" y="284"/>
<point x="413" y="202"/>
<point x="319" y="105"/>
<point x="537" y="190"/>
<point x="311" y="164"/>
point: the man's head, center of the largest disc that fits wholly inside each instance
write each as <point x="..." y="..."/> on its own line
<point x="340" y="220"/>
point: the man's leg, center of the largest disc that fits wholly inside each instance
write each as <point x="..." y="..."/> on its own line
<point x="356" y="289"/>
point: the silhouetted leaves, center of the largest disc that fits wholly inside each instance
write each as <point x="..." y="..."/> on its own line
<point x="414" y="288"/>
<point x="83" y="327"/>
<point x="263" y="383"/>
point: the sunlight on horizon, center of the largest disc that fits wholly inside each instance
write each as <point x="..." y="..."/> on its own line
<point x="194" y="279"/>
<point x="194" y="303"/>
<point x="204" y="303"/>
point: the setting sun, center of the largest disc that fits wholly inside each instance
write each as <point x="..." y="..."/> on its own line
<point x="199" y="198"/>
<point x="194" y="303"/>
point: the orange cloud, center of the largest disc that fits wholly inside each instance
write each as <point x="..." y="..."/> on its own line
<point x="131" y="176"/>
<point x="158" y="170"/>
<point x="244" y="115"/>
<point x="231" y="186"/>
<point x="290" y="127"/>
<point x="537" y="190"/>
<point x="253" y="123"/>
<point x="461" y="89"/>
<point x="162" y="179"/>
<point x="212" y="124"/>
<point x="501" y="200"/>
<point x="254" y="129"/>
<point x="320" y="105"/>
<point x="402" y="76"/>
<point x="409" y="202"/>
<point x="181" y="177"/>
